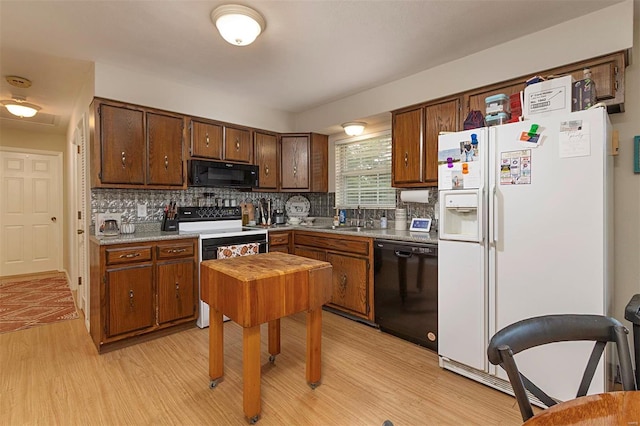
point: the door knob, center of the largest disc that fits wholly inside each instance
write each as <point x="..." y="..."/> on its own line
<point x="80" y="231"/>
<point x="53" y="219"/>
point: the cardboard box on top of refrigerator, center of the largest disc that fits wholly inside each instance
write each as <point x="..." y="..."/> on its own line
<point x="548" y="98"/>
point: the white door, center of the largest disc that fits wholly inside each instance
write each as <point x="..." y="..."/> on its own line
<point x="548" y="239"/>
<point x="30" y="213"/>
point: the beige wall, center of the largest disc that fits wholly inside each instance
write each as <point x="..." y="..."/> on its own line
<point x="17" y="138"/>
<point x="627" y="186"/>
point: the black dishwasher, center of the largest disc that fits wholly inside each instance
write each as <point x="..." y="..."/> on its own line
<point x="406" y="290"/>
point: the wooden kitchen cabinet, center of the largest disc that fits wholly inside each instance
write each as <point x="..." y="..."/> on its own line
<point x="304" y="162"/>
<point x="407" y="147"/>
<point x="141" y="290"/>
<point x="121" y="148"/>
<point x="351" y="258"/>
<point x="165" y="148"/>
<point x="267" y="156"/>
<point x="280" y="241"/>
<point x="238" y="146"/>
<point x="415" y="133"/>
<point x="214" y="140"/>
<point x="607" y="72"/>
<point x="206" y="140"/>
<point x="129" y="298"/>
<point x="136" y="147"/>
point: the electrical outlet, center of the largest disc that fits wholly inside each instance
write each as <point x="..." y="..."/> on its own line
<point x="142" y="210"/>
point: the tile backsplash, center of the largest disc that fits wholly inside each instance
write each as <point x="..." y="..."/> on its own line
<point x="322" y="204"/>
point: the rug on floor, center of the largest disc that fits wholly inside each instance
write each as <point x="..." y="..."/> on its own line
<point x="33" y="302"/>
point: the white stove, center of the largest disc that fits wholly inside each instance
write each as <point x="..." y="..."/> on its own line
<point x="217" y="227"/>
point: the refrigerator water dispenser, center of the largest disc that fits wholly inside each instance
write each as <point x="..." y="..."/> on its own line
<point x="459" y="216"/>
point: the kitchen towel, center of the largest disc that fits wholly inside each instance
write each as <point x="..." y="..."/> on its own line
<point x="415" y="196"/>
<point x="248" y="249"/>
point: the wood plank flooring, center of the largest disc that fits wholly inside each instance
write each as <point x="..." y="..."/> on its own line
<point x="53" y="375"/>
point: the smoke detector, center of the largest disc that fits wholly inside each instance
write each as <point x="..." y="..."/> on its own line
<point x="20" y="82"/>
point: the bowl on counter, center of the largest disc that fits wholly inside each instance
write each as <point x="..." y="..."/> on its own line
<point x="294" y="221"/>
<point x="308" y="221"/>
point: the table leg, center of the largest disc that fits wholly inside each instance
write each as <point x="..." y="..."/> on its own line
<point x="274" y="339"/>
<point x="216" y="347"/>
<point x="314" y="347"/>
<point x="251" y="373"/>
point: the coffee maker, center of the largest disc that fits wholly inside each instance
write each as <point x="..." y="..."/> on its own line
<point x="278" y="215"/>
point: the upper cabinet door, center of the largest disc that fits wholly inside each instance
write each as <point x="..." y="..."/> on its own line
<point x="238" y="145"/>
<point x="266" y="146"/>
<point x="408" y="147"/>
<point x="122" y="145"/>
<point x="206" y="140"/>
<point x="442" y="117"/>
<point x="294" y="164"/>
<point x="165" y="144"/>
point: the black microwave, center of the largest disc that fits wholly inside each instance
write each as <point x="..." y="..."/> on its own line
<point x="221" y="174"/>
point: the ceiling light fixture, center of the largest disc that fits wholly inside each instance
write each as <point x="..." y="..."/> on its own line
<point x="239" y="25"/>
<point x="18" y="106"/>
<point x="354" y="128"/>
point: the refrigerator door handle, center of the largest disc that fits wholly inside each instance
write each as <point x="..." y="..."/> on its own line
<point x="495" y="222"/>
<point x="481" y="228"/>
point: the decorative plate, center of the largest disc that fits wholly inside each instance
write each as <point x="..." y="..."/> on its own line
<point x="297" y="206"/>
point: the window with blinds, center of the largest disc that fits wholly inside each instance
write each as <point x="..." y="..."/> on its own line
<point x="363" y="173"/>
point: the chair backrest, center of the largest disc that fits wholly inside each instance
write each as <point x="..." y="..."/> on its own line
<point x="547" y="329"/>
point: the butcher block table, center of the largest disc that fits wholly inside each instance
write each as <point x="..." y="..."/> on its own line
<point x="252" y="290"/>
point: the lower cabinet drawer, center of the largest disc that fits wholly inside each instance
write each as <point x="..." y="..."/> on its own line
<point x="117" y="256"/>
<point x="173" y="251"/>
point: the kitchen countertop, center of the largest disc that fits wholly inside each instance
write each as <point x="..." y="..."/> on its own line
<point x="141" y="237"/>
<point x="378" y="233"/>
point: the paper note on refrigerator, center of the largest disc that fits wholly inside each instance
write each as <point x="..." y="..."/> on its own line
<point x="574" y="139"/>
<point x="515" y="167"/>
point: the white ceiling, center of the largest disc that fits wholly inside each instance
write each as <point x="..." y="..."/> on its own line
<point x="312" y="51"/>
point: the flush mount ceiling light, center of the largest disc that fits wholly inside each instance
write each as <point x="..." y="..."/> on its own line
<point x="18" y="106"/>
<point x="239" y="25"/>
<point x="354" y="128"/>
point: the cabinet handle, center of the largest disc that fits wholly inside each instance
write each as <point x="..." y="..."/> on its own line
<point x="124" y="159"/>
<point x="176" y="250"/>
<point x="129" y="256"/>
<point x="177" y="290"/>
<point x="166" y="162"/>
<point x="131" y="298"/>
<point x="237" y="144"/>
<point x="207" y="139"/>
<point x="406" y="159"/>
<point x="266" y="170"/>
<point x="295" y="170"/>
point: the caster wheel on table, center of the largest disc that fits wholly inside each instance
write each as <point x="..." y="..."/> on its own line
<point x="253" y="420"/>
<point x="213" y="384"/>
<point x="314" y="385"/>
<point x="272" y="359"/>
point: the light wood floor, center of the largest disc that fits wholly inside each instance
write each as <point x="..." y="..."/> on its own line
<point x="53" y="375"/>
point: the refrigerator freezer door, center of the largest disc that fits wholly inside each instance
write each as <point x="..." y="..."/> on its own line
<point x="461" y="159"/>
<point x="548" y="248"/>
<point x="462" y="306"/>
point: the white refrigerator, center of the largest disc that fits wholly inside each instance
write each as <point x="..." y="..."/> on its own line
<point x="525" y="230"/>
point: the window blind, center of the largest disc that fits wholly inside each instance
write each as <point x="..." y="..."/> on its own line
<point x="363" y="173"/>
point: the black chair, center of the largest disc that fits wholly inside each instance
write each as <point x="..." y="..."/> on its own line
<point x="632" y="313"/>
<point x="542" y="330"/>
